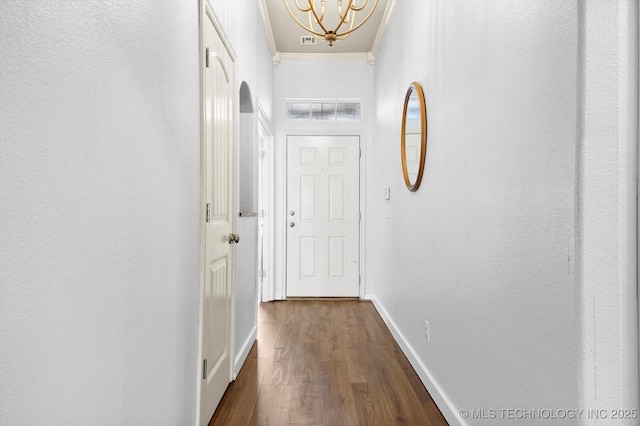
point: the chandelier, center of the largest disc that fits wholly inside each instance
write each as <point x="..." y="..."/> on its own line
<point x="340" y="19"/>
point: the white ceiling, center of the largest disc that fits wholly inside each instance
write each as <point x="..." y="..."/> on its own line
<point x="286" y="33"/>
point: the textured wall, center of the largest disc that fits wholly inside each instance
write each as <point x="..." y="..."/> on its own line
<point x="607" y="190"/>
<point x="484" y="250"/>
<point x="518" y="247"/>
<point x="99" y="212"/>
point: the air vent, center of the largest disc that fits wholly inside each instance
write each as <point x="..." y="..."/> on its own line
<point x="307" y="40"/>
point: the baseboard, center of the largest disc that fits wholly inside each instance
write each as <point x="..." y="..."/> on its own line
<point x="439" y="397"/>
<point x="367" y="297"/>
<point x="244" y="352"/>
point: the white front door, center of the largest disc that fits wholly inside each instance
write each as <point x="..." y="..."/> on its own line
<point x="217" y="285"/>
<point x="323" y="216"/>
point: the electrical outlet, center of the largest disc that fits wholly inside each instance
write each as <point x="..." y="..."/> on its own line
<point x="427" y="331"/>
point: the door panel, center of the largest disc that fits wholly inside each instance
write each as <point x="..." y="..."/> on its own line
<point x="337" y="259"/>
<point x="216" y="324"/>
<point x="337" y="201"/>
<point x="217" y="290"/>
<point x="309" y="199"/>
<point x="323" y="233"/>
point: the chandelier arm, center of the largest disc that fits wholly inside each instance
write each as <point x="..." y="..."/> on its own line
<point x="357" y="8"/>
<point x="343" y="18"/>
<point x="319" y="35"/>
<point x="341" y="14"/>
<point x="311" y="30"/>
<point x="311" y="9"/>
<point x="345" y="34"/>
<point x="302" y="9"/>
<point x="318" y="19"/>
<point x="360" y="24"/>
<point x="348" y="9"/>
<point x="321" y="8"/>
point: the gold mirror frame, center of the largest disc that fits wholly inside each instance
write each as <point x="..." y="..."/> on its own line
<point x="414" y="89"/>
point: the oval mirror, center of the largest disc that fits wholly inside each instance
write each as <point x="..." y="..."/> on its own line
<point x="414" y="136"/>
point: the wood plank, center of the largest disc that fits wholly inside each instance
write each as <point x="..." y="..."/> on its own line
<point x="325" y="363"/>
<point x="371" y="405"/>
<point x="306" y="406"/>
<point x="239" y="401"/>
<point x="338" y="400"/>
<point x="272" y="407"/>
<point x="426" y="402"/>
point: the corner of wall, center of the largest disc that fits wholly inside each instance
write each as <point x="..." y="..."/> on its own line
<point x="606" y="216"/>
<point x="243" y="353"/>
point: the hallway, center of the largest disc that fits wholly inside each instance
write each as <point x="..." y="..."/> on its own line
<point x="329" y="362"/>
<point x="509" y="279"/>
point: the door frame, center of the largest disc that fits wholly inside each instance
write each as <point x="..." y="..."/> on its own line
<point x="266" y="206"/>
<point x="280" y="289"/>
<point x="206" y="12"/>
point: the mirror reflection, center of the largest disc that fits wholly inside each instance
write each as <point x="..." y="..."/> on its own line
<point x="414" y="136"/>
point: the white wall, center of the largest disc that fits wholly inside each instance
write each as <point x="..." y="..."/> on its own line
<point x="607" y="190"/>
<point x="99" y="207"/>
<point x="99" y="212"/>
<point x="309" y="79"/>
<point x="486" y="249"/>
<point x="242" y="23"/>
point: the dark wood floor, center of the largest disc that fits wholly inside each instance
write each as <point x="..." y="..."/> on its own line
<point x="325" y="362"/>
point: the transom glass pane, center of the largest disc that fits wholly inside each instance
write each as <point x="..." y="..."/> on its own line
<point x="298" y="110"/>
<point x="348" y="111"/>
<point x="323" y="110"/>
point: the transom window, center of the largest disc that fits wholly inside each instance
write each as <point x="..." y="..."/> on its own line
<point x="323" y="110"/>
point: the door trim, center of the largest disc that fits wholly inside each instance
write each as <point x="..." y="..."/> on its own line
<point x="205" y="12"/>
<point x="267" y="286"/>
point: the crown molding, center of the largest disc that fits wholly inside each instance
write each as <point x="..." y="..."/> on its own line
<point x="371" y="59"/>
<point x="276" y="59"/>
<point x="354" y="56"/>
<point x="267" y="27"/>
<point x="382" y="28"/>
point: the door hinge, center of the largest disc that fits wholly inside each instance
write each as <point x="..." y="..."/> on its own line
<point x="206" y="57"/>
<point x="262" y="273"/>
<point x="360" y="217"/>
<point x="204" y="369"/>
<point x="263" y="154"/>
<point x="359" y="279"/>
<point x="360" y="152"/>
<point x="208" y="212"/>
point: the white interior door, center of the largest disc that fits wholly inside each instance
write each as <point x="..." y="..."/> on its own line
<point x="323" y="216"/>
<point x="216" y="297"/>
